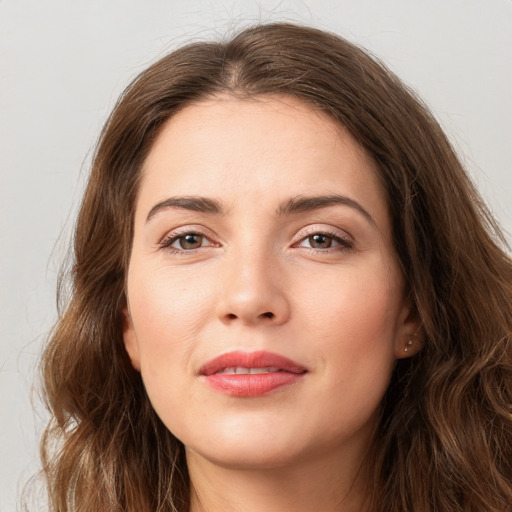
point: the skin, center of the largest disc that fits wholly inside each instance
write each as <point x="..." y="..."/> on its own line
<point x="260" y="279"/>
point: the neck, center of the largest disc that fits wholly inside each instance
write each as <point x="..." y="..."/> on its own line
<point x="321" y="483"/>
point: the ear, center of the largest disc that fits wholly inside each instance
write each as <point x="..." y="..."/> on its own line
<point x="130" y="339"/>
<point x="410" y="336"/>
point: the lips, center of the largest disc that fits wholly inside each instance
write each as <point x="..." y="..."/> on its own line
<point x="250" y="374"/>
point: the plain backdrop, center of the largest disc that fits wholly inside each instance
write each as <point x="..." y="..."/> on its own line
<point x="62" y="66"/>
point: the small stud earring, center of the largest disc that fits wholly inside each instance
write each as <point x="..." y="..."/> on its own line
<point x="409" y="343"/>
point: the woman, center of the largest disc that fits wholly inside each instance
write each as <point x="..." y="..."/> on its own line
<point x="287" y="295"/>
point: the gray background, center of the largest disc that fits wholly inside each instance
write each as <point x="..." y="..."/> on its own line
<point x="62" y="65"/>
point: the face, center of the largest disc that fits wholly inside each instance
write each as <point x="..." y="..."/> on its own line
<point x="265" y="305"/>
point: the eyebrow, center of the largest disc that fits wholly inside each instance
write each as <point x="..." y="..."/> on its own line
<point x="301" y="204"/>
<point x="295" y="205"/>
<point x="192" y="203"/>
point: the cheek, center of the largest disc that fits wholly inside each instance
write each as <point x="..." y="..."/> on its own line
<point x="362" y="307"/>
<point x="168" y="311"/>
<point x="354" y="326"/>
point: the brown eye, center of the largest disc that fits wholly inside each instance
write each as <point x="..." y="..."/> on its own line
<point x="190" y="241"/>
<point x="320" y="241"/>
<point x="324" y="241"/>
<point x="187" y="242"/>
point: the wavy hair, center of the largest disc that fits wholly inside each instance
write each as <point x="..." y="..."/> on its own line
<point x="444" y="441"/>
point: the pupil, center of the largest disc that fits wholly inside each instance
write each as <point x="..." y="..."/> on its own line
<point x="320" y="241"/>
<point x="191" y="241"/>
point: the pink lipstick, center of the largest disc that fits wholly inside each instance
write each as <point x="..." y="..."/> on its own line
<point x="250" y="374"/>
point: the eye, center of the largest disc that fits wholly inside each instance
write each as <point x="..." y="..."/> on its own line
<point x="324" y="241"/>
<point x="319" y="241"/>
<point x="186" y="242"/>
<point x="189" y="241"/>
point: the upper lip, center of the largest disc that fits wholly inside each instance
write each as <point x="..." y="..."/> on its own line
<point x="258" y="359"/>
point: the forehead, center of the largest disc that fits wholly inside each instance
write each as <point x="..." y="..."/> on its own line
<point x="259" y="150"/>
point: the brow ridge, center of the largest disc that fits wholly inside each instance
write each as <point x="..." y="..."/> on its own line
<point x="301" y="204"/>
<point x="294" y="205"/>
<point x="192" y="203"/>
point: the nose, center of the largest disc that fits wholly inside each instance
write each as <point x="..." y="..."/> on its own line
<point x="253" y="292"/>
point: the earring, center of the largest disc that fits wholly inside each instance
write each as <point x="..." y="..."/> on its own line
<point x="409" y="343"/>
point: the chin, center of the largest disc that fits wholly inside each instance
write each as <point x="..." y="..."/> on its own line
<point x="247" y="444"/>
<point x="247" y="456"/>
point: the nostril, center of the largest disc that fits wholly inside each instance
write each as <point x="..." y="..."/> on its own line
<point x="231" y="316"/>
<point x="268" y="314"/>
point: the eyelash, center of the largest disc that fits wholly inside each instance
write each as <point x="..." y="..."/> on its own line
<point x="167" y="242"/>
<point x="344" y="243"/>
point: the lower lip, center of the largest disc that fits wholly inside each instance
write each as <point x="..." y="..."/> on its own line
<point x="250" y="385"/>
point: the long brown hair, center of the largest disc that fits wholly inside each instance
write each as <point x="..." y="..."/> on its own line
<point x="445" y="435"/>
